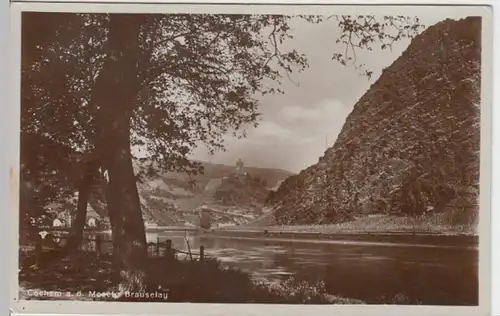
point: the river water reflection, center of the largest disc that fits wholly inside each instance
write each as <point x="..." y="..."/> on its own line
<point x="371" y="272"/>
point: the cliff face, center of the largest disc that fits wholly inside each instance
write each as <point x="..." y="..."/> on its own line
<point x="410" y="145"/>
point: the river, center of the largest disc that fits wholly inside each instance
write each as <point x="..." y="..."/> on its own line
<point x="430" y="270"/>
<point x="370" y="271"/>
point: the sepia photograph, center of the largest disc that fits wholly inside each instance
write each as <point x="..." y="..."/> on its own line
<point x="296" y="157"/>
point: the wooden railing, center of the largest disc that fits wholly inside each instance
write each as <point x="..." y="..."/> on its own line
<point x="168" y="250"/>
<point x="96" y="244"/>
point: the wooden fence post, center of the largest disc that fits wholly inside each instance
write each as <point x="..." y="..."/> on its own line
<point x="38" y="250"/>
<point x="168" y="250"/>
<point x="98" y="245"/>
<point x="202" y="253"/>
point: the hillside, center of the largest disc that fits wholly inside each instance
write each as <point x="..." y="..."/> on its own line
<point x="270" y="176"/>
<point x="410" y="146"/>
<point x="230" y="197"/>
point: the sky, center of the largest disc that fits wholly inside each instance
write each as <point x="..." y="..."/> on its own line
<point x="297" y="127"/>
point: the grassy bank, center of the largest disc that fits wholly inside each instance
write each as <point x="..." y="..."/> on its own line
<point x="182" y="281"/>
<point x="440" y="223"/>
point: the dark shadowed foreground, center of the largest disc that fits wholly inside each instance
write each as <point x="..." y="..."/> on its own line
<point x="170" y="280"/>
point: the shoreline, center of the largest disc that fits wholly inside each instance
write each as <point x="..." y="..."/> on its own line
<point x="324" y="234"/>
<point x="454" y="240"/>
<point x="274" y="230"/>
<point x="265" y="231"/>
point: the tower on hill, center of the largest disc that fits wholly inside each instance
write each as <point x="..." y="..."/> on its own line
<point x="240" y="167"/>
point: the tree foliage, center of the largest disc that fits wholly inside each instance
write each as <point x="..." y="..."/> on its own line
<point x="364" y="32"/>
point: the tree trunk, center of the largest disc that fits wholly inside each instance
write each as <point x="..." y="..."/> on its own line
<point x="126" y="215"/>
<point x="115" y="92"/>
<point x="113" y="213"/>
<point x="84" y="191"/>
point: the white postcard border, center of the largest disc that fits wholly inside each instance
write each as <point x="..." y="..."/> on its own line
<point x="77" y="307"/>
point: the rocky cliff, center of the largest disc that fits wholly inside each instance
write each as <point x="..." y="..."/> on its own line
<point x="410" y="145"/>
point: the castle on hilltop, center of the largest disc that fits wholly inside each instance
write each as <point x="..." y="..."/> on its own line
<point x="240" y="167"/>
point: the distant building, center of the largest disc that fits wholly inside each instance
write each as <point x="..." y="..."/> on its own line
<point x="58" y="223"/>
<point x="93" y="218"/>
<point x="64" y="218"/>
<point x="92" y="222"/>
<point x="240" y="167"/>
<point x="150" y="225"/>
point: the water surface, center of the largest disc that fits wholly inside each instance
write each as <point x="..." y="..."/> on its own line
<point x="370" y="271"/>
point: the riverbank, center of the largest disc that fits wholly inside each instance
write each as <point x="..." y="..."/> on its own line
<point x="193" y="281"/>
<point x="435" y="230"/>
<point x="439" y="224"/>
<point x="435" y="224"/>
<point x="374" y="239"/>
